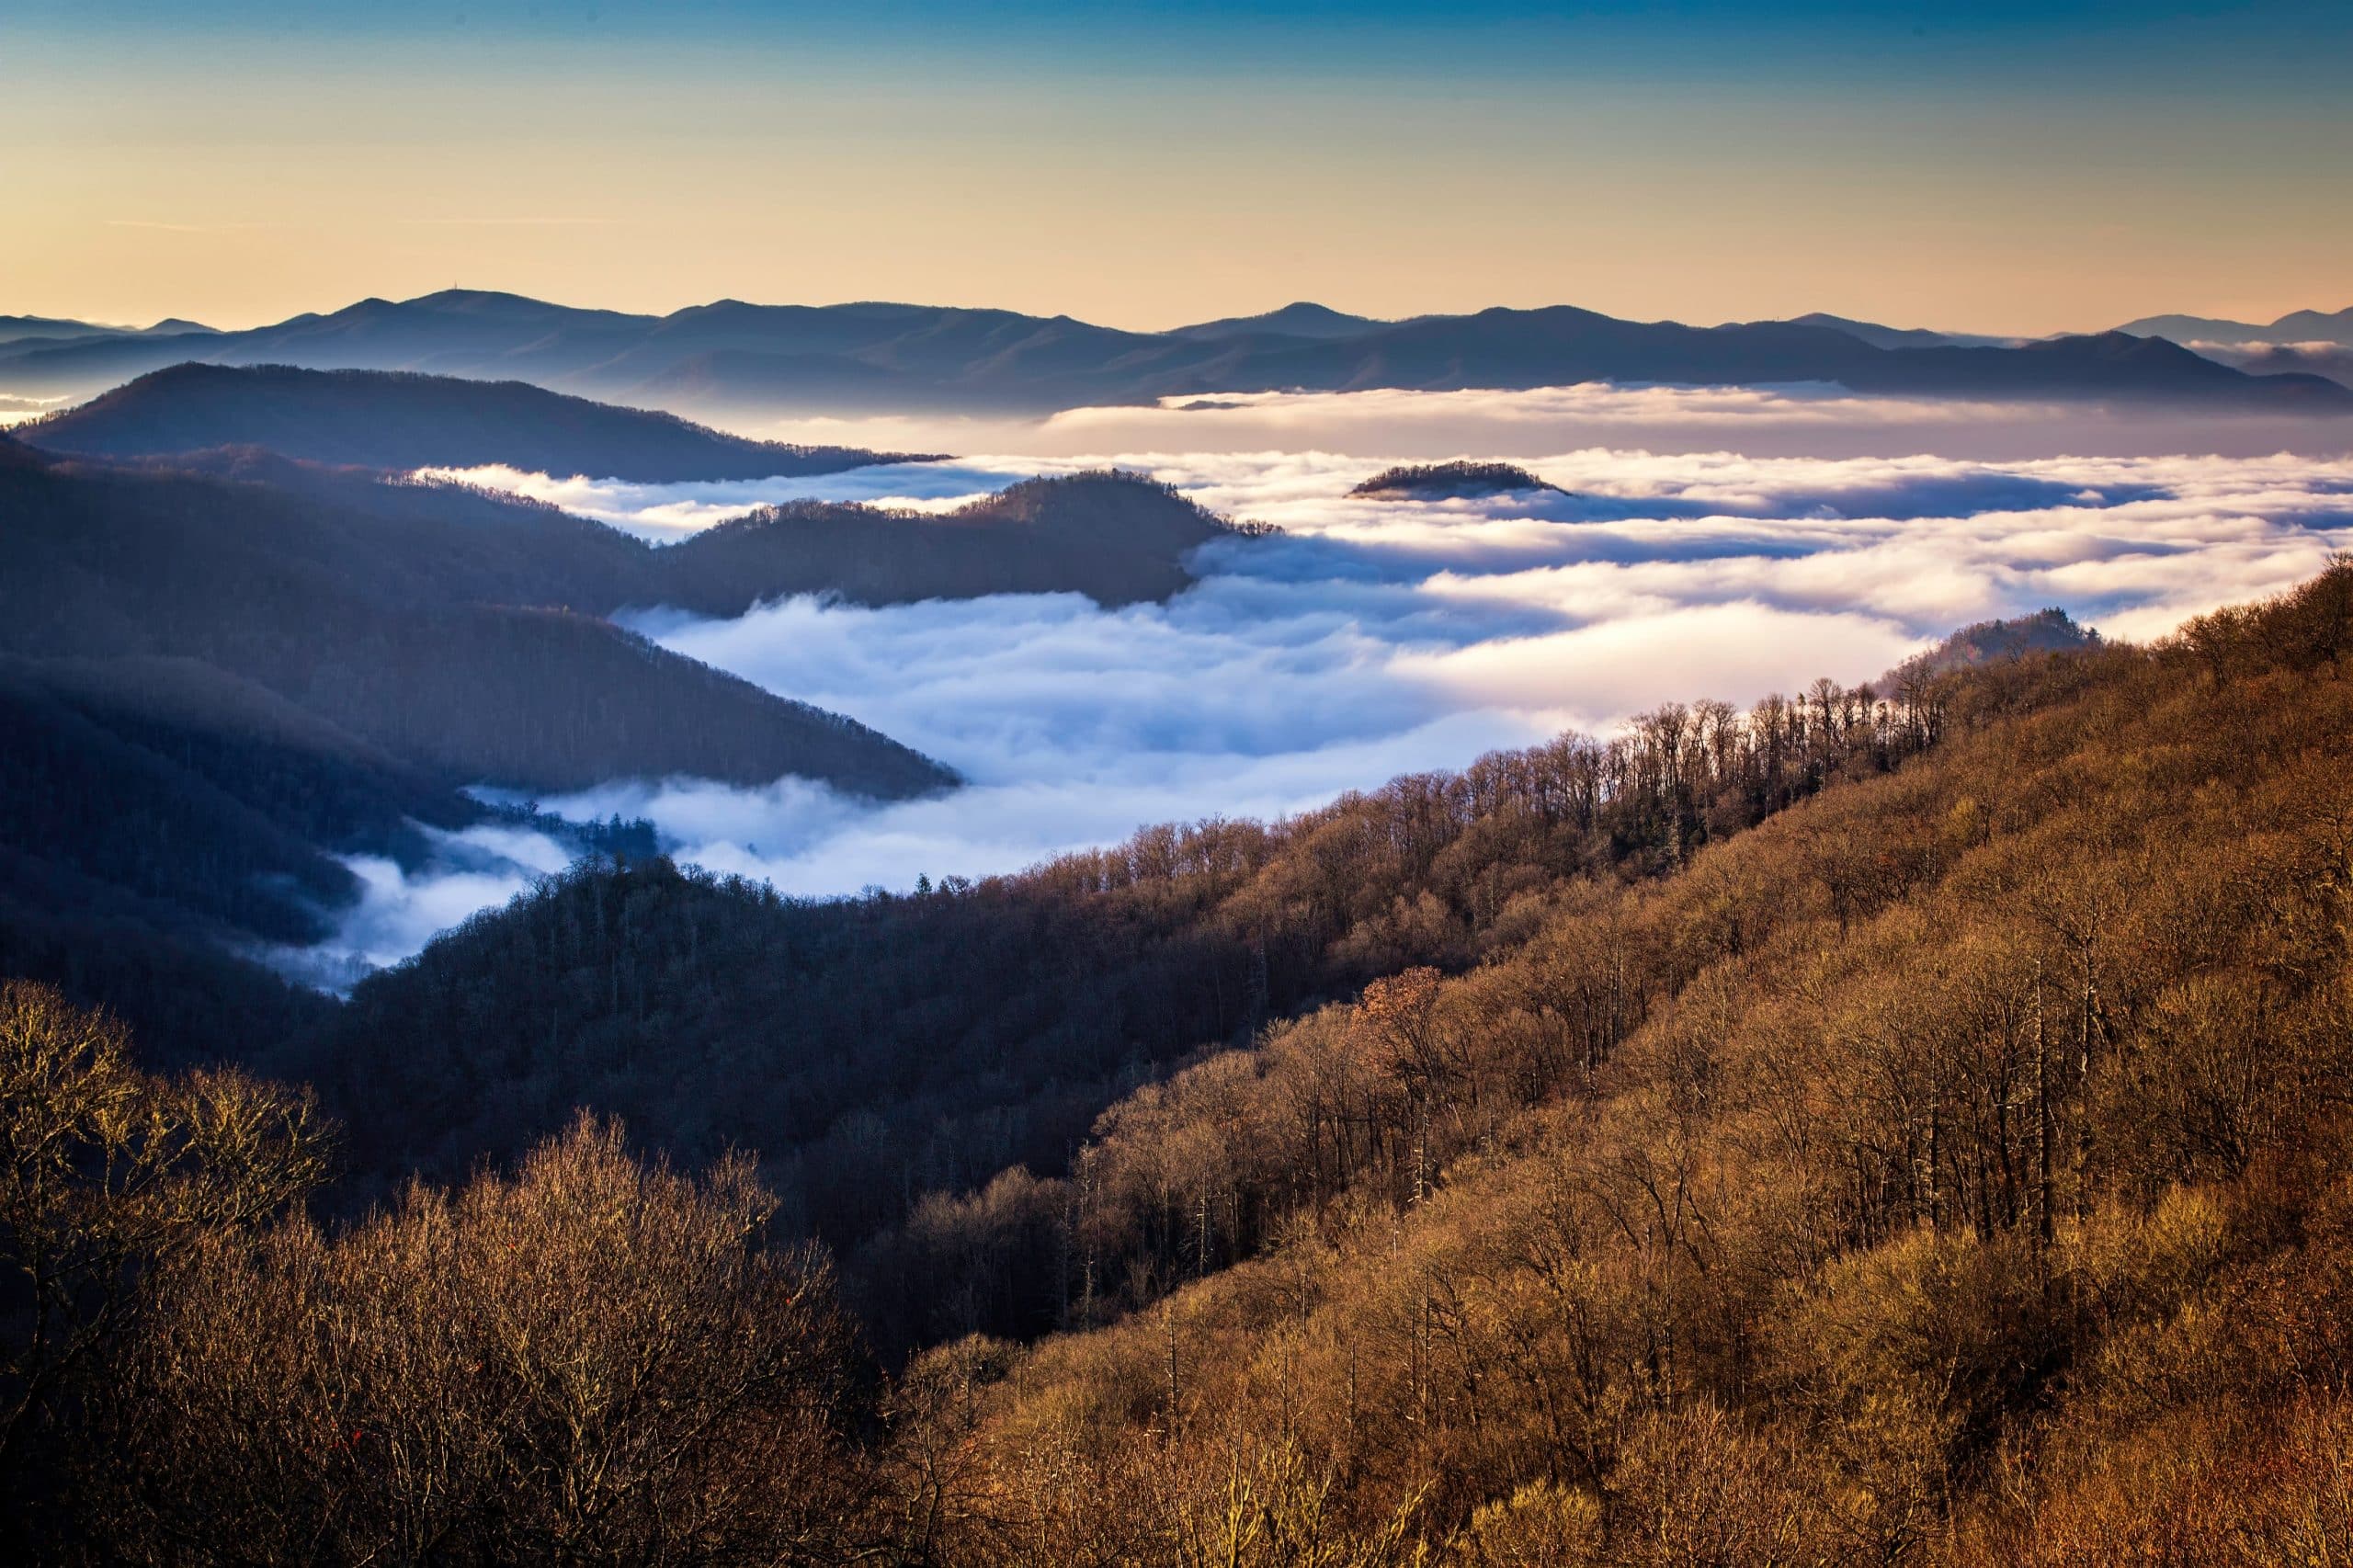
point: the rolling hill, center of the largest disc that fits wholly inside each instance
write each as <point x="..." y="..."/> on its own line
<point x="395" y="420"/>
<point x="222" y="671"/>
<point x="1899" y="1128"/>
<point x="213" y="687"/>
<point x="445" y="641"/>
<point x="1117" y="537"/>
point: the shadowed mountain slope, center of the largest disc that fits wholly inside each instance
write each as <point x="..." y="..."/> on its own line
<point x="1119" y="538"/>
<point x="216" y="686"/>
<point x="378" y="419"/>
<point x="223" y="671"/>
<point x="415" y="638"/>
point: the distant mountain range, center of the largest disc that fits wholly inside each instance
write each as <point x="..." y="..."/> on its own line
<point x="2311" y="343"/>
<point x="398" y="420"/>
<point x="2321" y="359"/>
<point x="738" y="359"/>
<point x="48" y="330"/>
<point x="1879" y="337"/>
<point x="2297" y="326"/>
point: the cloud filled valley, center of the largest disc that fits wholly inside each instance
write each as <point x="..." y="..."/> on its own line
<point x="1415" y="787"/>
<point x="1373" y="637"/>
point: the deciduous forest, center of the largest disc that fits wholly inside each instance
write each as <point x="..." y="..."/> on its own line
<point x="1900" y="1124"/>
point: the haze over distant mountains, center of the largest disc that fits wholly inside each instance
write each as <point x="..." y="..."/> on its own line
<point x="735" y="358"/>
<point x="52" y="329"/>
<point x="2314" y="343"/>
<point x="1880" y="336"/>
<point x="2296" y="326"/>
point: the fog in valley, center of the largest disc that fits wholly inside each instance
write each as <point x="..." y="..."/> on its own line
<point x="1728" y="542"/>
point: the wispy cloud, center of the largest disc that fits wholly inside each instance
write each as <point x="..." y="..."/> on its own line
<point x="665" y="513"/>
<point x="515" y="222"/>
<point x="161" y="226"/>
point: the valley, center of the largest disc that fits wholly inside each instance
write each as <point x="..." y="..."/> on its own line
<point x="857" y="872"/>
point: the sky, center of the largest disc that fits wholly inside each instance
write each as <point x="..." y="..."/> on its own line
<point x="1999" y="166"/>
<point x="1374" y="638"/>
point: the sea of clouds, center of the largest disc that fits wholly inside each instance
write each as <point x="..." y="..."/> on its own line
<point x="1372" y="638"/>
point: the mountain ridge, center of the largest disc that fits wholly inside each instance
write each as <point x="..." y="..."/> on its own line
<point x="390" y="420"/>
<point x="731" y="356"/>
<point x="2296" y="326"/>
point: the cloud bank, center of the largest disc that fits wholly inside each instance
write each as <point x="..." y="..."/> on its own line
<point x="1372" y="638"/>
<point x="667" y="513"/>
<point x="1786" y="421"/>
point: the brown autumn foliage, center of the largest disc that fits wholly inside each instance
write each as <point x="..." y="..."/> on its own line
<point x="106" y="1171"/>
<point x="592" y="1360"/>
<point x="1941" y="1161"/>
<point x="1946" y="1170"/>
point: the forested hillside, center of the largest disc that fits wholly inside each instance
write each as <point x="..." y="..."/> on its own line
<point x="878" y="1049"/>
<point x="1904" y="1128"/>
<point x="1950" y="1169"/>
<point x="439" y="640"/>
<point x="1117" y="537"/>
<point x="215" y="683"/>
<point x="225" y="670"/>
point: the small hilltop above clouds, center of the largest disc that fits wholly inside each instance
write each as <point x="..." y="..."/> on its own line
<point x="1460" y="481"/>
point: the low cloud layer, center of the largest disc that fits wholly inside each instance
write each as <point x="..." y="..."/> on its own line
<point x="667" y="513"/>
<point x="1786" y="421"/>
<point x="1372" y="638"/>
<point x="398" y="911"/>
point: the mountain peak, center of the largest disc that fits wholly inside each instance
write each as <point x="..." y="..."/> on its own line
<point x="1300" y="318"/>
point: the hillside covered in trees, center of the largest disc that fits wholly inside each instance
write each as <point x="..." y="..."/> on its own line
<point x="213" y="687"/>
<point x="448" y="638"/>
<point x="1900" y="1126"/>
<point x="223" y="671"/>
<point x="1459" y="481"/>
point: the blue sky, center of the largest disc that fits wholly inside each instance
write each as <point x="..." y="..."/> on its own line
<point x="2000" y="166"/>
